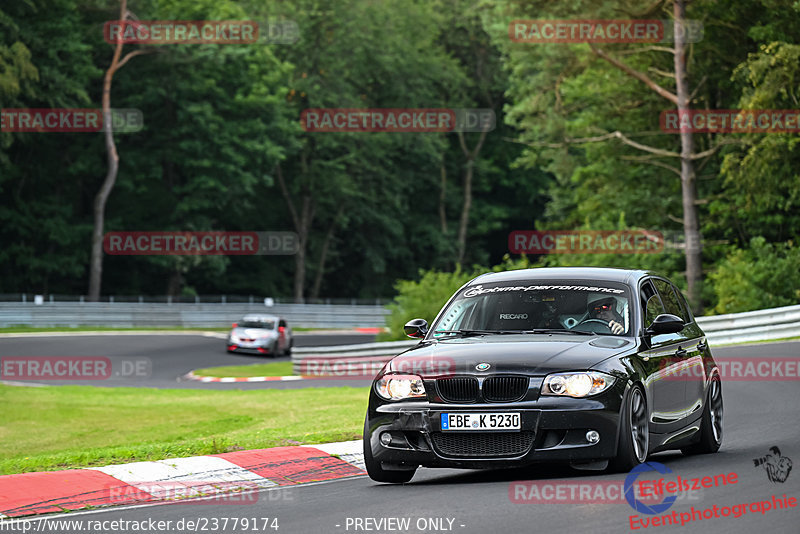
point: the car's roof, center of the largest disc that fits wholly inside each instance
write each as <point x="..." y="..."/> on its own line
<point x="607" y="274"/>
<point x="260" y="318"/>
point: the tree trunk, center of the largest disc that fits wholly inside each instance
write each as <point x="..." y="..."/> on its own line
<point x="302" y="225"/>
<point x="463" y="223"/>
<point x="442" y="197"/>
<point x="470" y="156"/>
<point x="691" y="230"/>
<point x="323" y="256"/>
<point x="112" y="158"/>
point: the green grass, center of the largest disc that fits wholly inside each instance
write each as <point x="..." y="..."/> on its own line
<point x="255" y="369"/>
<point x="59" y="427"/>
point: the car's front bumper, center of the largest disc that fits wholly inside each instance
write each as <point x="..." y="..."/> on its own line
<point x="263" y="348"/>
<point x="552" y="429"/>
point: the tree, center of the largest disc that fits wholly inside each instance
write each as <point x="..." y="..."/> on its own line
<point x="112" y="158"/>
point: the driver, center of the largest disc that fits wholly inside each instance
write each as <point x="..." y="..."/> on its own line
<point x="605" y="310"/>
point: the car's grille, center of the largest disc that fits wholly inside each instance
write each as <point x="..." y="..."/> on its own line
<point x="505" y="388"/>
<point x="482" y="444"/>
<point x="458" y="389"/>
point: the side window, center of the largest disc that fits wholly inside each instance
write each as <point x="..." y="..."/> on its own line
<point x="670" y="299"/>
<point x="687" y="310"/>
<point x="651" y="303"/>
<point x="654" y="309"/>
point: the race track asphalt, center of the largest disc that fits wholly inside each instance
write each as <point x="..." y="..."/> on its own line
<point x="160" y="361"/>
<point x="758" y="415"/>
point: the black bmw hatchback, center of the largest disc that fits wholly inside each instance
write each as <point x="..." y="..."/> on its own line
<point x="590" y="366"/>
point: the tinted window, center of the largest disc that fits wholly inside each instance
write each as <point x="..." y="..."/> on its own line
<point x="669" y="298"/>
<point x="687" y="310"/>
<point x="269" y="325"/>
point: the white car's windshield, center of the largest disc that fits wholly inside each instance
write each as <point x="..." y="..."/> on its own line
<point x="268" y="325"/>
<point x="525" y="305"/>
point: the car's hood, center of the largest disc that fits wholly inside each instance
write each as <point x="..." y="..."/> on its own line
<point x="537" y="354"/>
<point x="252" y="332"/>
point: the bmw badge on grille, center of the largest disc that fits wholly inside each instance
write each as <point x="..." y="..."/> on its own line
<point x="483" y="366"/>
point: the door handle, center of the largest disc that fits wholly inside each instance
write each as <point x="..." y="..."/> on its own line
<point x="702" y="347"/>
<point x="680" y="352"/>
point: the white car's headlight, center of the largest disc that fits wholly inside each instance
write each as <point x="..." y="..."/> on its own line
<point x="576" y="384"/>
<point x="398" y="387"/>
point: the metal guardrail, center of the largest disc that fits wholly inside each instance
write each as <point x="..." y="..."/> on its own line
<point x="209" y="315"/>
<point x="761" y="325"/>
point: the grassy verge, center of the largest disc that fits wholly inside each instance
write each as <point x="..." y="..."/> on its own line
<point x="256" y="369"/>
<point x="52" y="428"/>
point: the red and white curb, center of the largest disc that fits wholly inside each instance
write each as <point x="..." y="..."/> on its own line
<point x="179" y="480"/>
<point x="191" y="376"/>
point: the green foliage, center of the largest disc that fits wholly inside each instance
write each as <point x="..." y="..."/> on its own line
<point x="383" y="205"/>
<point x="761" y="276"/>
<point x="423" y="298"/>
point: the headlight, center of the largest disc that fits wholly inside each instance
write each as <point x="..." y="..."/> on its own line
<point x="398" y="387"/>
<point x="580" y="384"/>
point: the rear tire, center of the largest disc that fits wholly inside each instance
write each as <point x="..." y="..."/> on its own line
<point x="378" y="473"/>
<point x="634" y="438"/>
<point x="710" y="423"/>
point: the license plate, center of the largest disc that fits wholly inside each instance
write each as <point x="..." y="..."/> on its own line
<point x="481" y="421"/>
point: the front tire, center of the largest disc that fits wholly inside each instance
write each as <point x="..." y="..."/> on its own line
<point x="378" y="473"/>
<point x="634" y="439"/>
<point x="710" y="424"/>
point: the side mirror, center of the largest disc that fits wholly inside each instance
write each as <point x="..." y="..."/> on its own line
<point x="666" y="323"/>
<point x="416" y="328"/>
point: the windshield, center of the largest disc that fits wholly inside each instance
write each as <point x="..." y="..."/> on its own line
<point x="268" y="325"/>
<point x="529" y="306"/>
